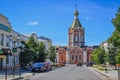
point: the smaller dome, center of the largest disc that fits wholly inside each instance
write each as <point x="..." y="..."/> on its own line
<point x="76" y="13"/>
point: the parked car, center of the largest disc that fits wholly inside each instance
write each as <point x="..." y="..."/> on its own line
<point x="89" y="64"/>
<point x="79" y="64"/>
<point x="48" y="65"/>
<point x="39" y="66"/>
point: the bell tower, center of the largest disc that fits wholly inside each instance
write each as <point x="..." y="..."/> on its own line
<point x="76" y="32"/>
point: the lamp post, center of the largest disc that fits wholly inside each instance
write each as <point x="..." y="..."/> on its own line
<point x="22" y="46"/>
<point x="8" y="52"/>
<point x="14" y="50"/>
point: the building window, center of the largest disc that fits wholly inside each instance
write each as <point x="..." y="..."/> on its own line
<point x="2" y="39"/>
<point x="72" y="57"/>
<point x="76" y="57"/>
<point x="81" y="39"/>
<point x="80" y="57"/>
<point x="76" y="38"/>
<point x="7" y="41"/>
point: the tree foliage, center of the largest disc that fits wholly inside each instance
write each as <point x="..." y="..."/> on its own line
<point x="25" y="55"/>
<point x="42" y="53"/>
<point x="116" y="21"/>
<point x="115" y="37"/>
<point x="118" y="58"/>
<point x="112" y="54"/>
<point x="99" y="56"/>
<point x="33" y="48"/>
<point x="33" y="51"/>
<point x="52" y="53"/>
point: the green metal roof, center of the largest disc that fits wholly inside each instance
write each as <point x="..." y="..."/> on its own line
<point x="76" y="23"/>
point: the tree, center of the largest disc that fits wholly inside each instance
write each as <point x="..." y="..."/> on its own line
<point x="52" y="53"/>
<point x="118" y="58"/>
<point x="25" y="55"/>
<point x="115" y="39"/>
<point x="116" y="21"/>
<point x="33" y="48"/>
<point x="99" y="56"/>
<point x="95" y="56"/>
<point x="112" y="54"/>
<point x="42" y="54"/>
<point x="102" y="55"/>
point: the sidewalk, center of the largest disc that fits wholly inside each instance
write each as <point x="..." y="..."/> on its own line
<point x="112" y="74"/>
<point x="16" y="76"/>
<point x="24" y="74"/>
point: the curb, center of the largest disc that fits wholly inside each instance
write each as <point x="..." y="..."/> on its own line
<point x="22" y="77"/>
<point x="102" y="73"/>
<point x="18" y="78"/>
<point x="94" y="69"/>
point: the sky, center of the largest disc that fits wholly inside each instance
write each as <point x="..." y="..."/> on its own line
<point x="52" y="18"/>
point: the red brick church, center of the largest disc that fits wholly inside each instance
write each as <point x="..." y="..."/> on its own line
<point x="76" y="51"/>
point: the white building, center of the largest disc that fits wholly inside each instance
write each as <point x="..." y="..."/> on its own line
<point x="46" y="41"/>
<point x="5" y="31"/>
<point x="9" y="40"/>
<point x="43" y="39"/>
<point x="7" y="43"/>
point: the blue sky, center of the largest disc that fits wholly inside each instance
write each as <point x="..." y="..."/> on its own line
<point x="52" y="18"/>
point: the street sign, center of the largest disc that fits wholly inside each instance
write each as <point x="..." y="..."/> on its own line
<point x="2" y="56"/>
<point x="5" y="51"/>
<point x="1" y="51"/>
<point x="118" y="65"/>
<point x="14" y="50"/>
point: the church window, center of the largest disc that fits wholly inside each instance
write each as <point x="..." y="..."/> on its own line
<point x="76" y="57"/>
<point x="79" y="57"/>
<point x="2" y="39"/>
<point x="72" y="57"/>
<point x="81" y="38"/>
<point x="76" y="38"/>
<point x="70" y="38"/>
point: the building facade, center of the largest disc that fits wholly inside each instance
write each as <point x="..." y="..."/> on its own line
<point x="76" y="51"/>
<point x="5" y="31"/>
<point x="7" y="39"/>
<point x="76" y="40"/>
<point x="46" y="41"/>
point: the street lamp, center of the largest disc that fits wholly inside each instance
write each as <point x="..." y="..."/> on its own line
<point x="21" y="47"/>
<point x="14" y="50"/>
<point x="7" y="52"/>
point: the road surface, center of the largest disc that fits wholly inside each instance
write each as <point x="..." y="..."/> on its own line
<point x="69" y="72"/>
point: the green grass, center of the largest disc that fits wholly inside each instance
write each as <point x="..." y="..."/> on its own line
<point x="99" y="67"/>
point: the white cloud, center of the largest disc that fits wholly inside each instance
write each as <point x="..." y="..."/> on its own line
<point x="87" y="18"/>
<point x="32" y="23"/>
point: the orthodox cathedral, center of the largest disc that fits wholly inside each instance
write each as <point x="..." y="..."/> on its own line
<point x="76" y="51"/>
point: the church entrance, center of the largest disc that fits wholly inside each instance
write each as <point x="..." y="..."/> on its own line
<point x="76" y="58"/>
<point x="76" y="55"/>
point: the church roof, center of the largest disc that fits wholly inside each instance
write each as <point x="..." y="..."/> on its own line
<point x="76" y="23"/>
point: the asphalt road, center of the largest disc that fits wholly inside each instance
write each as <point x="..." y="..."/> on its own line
<point x="69" y="72"/>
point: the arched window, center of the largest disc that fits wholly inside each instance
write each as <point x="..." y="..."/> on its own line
<point x="80" y="57"/>
<point x="76" y="38"/>
<point x="76" y="57"/>
<point x="72" y="57"/>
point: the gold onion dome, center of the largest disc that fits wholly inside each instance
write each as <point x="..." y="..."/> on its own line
<point x="76" y="13"/>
